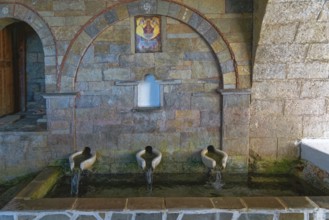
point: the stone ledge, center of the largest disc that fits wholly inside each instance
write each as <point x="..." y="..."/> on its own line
<point x="172" y="204"/>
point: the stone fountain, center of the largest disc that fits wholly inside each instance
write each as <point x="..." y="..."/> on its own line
<point x="148" y="159"/>
<point x="80" y="161"/>
<point x="215" y="160"/>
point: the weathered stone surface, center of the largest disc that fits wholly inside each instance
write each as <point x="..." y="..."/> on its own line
<point x="119" y="48"/>
<point x="211" y="35"/>
<point x="305" y="107"/>
<point x="287" y="149"/>
<point x="133" y="9"/>
<point x="229" y="26"/>
<point x="229" y="79"/>
<point x="237" y="147"/>
<point x="276" y="126"/>
<point x="313" y="32"/>
<point x="174" y="9"/>
<point x="238" y="6"/>
<point x="286" y="12"/>
<point x="6" y="10"/>
<point x="264" y="148"/>
<point x="269" y="71"/>
<point x="279" y="33"/>
<point x="282" y="53"/>
<point x="165" y="59"/>
<point x="89" y="74"/>
<point x="144" y="60"/>
<point x="235" y="131"/>
<point x="224" y="56"/>
<point x="63" y="5"/>
<point x="175" y="45"/>
<point x="199" y="56"/>
<point x="177" y="29"/>
<point x="210" y="119"/>
<point x="311" y="70"/>
<point x="88" y="101"/>
<point x="76" y="20"/>
<point x="227" y="67"/>
<point x="180" y="74"/>
<point x="62" y="127"/>
<point x="267" y="107"/>
<point x="196" y="22"/>
<point x="65" y="33"/>
<point x="94" y="6"/>
<point x="115" y="34"/>
<point x="111" y="17"/>
<point x="179" y="101"/>
<point x="117" y="74"/>
<point x="205" y="102"/>
<point x="318" y="52"/>
<point x="184" y="14"/>
<point x="272" y="89"/>
<point x="316" y="126"/>
<point x="202" y="70"/>
<point x="55" y="21"/>
<point x="242" y="51"/>
<point x="314" y="89"/>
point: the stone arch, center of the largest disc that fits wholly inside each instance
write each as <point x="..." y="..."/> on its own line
<point x="9" y="12"/>
<point x="103" y="20"/>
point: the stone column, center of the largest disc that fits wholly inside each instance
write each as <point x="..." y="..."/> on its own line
<point x="61" y="123"/>
<point x="235" y="128"/>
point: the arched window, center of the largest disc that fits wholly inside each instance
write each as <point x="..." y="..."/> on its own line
<point x="149" y="92"/>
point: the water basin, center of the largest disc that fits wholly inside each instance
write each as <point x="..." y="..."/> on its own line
<point x="186" y="185"/>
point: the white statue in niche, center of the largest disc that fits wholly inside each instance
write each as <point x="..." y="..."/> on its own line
<point x="149" y="92"/>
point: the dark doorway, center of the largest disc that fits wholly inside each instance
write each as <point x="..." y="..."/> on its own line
<point x="22" y="61"/>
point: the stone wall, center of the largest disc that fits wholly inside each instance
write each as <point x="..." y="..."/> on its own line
<point x="290" y="76"/>
<point x="35" y="68"/>
<point x="88" y="51"/>
<point x="23" y="153"/>
<point x="106" y="115"/>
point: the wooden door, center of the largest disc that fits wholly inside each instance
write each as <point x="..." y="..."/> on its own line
<point x="7" y="93"/>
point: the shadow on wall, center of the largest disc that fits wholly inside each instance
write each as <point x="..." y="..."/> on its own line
<point x="259" y="12"/>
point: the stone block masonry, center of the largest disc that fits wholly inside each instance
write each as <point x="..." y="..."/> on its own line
<point x="289" y="92"/>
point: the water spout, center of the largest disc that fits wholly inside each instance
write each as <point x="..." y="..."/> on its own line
<point x="210" y="158"/>
<point x="149" y="179"/>
<point x="218" y="184"/>
<point x="148" y="159"/>
<point x="80" y="161"/>
<point x="75" y="179"/>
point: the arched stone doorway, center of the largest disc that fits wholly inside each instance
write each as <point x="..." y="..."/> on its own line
<point x="23" y="70"/>
<point x="31" y="61"/>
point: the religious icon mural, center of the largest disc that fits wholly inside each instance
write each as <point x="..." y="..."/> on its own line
<point x="148" y="34"/>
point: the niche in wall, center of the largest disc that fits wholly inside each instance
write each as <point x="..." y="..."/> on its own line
<point x="148" y="93"/>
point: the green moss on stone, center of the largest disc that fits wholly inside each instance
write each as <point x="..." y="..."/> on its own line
<point x="274" y="166"/>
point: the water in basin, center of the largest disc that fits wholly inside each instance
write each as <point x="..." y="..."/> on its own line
<point x="186" y="185"/>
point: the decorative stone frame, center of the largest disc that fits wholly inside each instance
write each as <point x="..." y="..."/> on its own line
<point x="21" y="12"/>
<point x="76" y="50"/>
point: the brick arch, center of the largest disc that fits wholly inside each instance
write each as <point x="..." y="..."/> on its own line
<point x="106" y="18"/>
<point x="23" y="13"/>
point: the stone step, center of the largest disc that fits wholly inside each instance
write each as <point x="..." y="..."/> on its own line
<point x="9" y="119"/>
